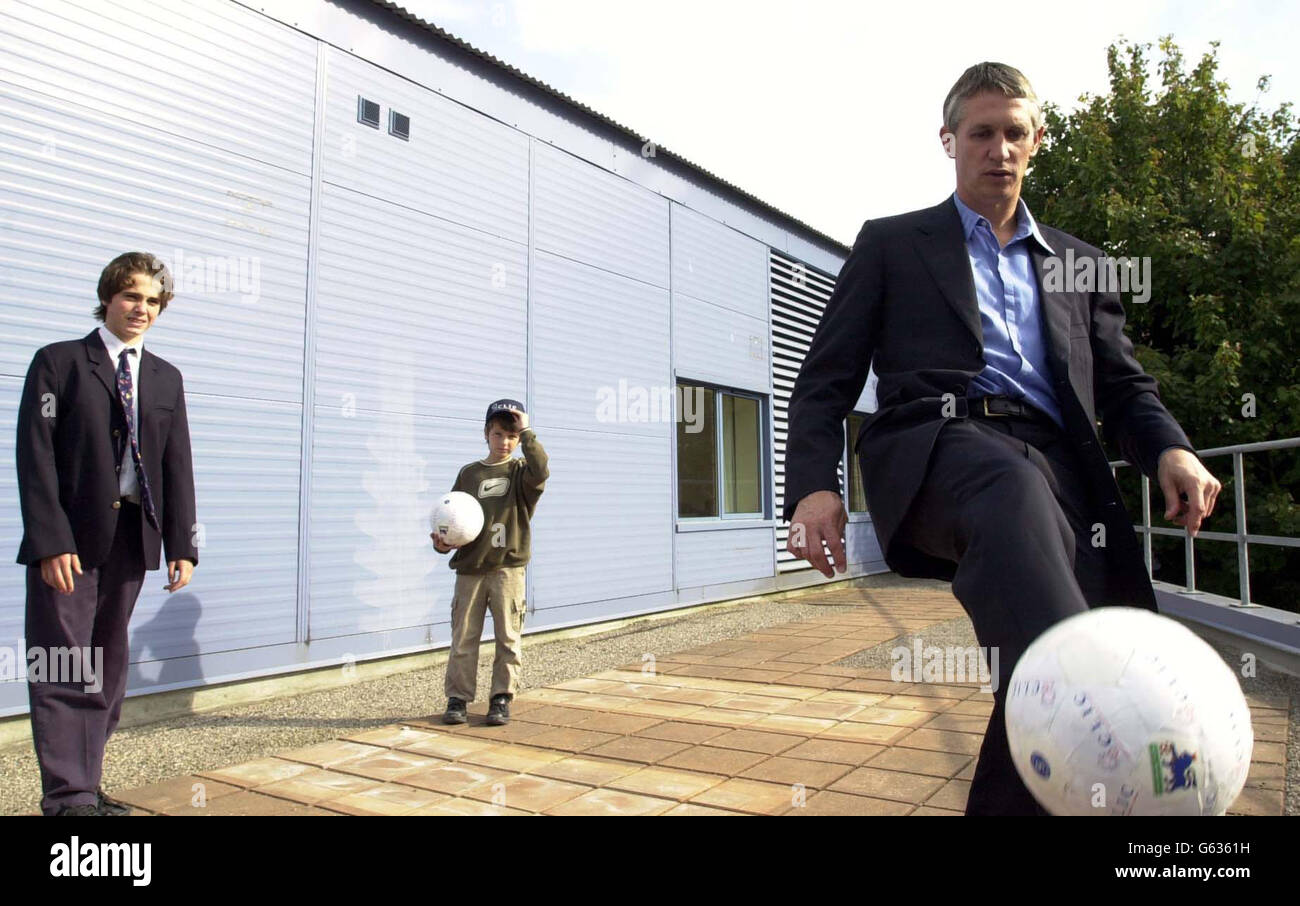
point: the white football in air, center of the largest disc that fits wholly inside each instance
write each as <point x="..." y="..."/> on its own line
<point x="1120" y="711"/>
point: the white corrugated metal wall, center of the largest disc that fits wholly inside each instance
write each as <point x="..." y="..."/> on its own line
<point x="332" y="402"/>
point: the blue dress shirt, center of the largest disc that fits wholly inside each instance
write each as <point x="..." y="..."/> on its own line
<point x="1011" y="314"/>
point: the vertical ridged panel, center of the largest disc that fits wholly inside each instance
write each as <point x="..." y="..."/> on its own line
<point x="406" y="297"/>
<point x="590" y="215"/>
<point x="244" y="591"/>
<point x="458" y="164"/>
<point x="603" y="528"/>
<point x="710" y="558"/>
<point x="719" y="345"/>
<point x="591" y="331"/>
<point x="13" y="579"/>
<point x="216" y="73"/>
<point x="80" y="187"/>
<point x="375" y="479"/>
<point x="716" y="264"/>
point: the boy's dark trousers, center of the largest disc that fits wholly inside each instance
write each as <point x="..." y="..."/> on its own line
<point x="70" y="726"/>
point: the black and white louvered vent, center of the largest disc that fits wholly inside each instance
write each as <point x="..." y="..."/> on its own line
<point x="799" y="296"/>
<point x="367" y="112"/>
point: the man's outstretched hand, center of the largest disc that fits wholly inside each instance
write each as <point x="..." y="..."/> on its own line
<point x="819" y="518"/>
<point x="1190" y="491"/>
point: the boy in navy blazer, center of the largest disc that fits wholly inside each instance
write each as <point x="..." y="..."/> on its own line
<point x="105" y="483"/>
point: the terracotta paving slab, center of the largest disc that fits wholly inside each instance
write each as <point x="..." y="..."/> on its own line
<point x="677" y="731"/>
<point x="385" y="799"/>
<point x="754" y="796"/>
<point x="869" y="781"/>
<point x="691" y="809"/>
<point x="764" y="724"/>
<point x="527" y="793"/>
<point x="830" y="802"/>
<point x="710" y="759"/>
<point x="612" y="802"/>
<point x="790" y="771"/>
<point x="177" y="794"/>
<point x="666" y="782"/>
<point x="850" y="753"/>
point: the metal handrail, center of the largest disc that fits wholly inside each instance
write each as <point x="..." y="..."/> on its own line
<point x="1241" y="536"/>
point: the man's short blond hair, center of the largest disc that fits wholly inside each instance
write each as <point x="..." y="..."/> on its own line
<point x="996" y="77"/>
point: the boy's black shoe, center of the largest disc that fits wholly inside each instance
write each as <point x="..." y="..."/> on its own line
<point x="78" y="811"/>
<point x="456" y="713"/>
<point x="110" y="806"/>
<point x="499" y="712"/>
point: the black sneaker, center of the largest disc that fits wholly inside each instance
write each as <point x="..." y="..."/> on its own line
<point x="110" y="806"/>
<point x="499" y="711"/>
<point x="456" y="713"/>
<point x="79" y="811"/>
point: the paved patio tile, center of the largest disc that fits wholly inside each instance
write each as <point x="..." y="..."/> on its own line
<point x="617" y="723"/>
<point x="317" y="785"/>
<point x="767" y="743"/>
<point x="678" y="731"/>
<point x="526" y="792"/>
<point x="913" y="788"/>
<point x="943" y="741"/>
<point x="790" y="771"/>
<point x="1269" y="753"/>
<point x="839" y="752"/>
<point x="570" y="739"/>
<point x="247" y="802"/>
<point x="638" y="748"/>
<point x="177" y="794"/>
<point x="685" y="695"/>
<point x="331" y="753"/>
<point x="586" y="770"/>
<point x="398" y="735"/>
<point x="449" y="747"/>
<point x="1255" y="801"/>
<point x="786" y="723"/>
<point x="952" y="796"/>
<point x="753" y="796"/>
<point x="714" y="760"/>
<point x="694" y="810"/>
<point x="883" y="734"/>
<point x="257" y="772"/>
<point x="518" y="759"/>
<point x="606" y="802"/>
<point x="389" y="765"/>
<point x="385" y="799"/>
<point x="460" y="807"/>
<point x="894" y="717"/>
<point x="1266" y="776"/>
<point x="454" y="778"/>
<point x="666" y="783"/>
<point x="920" y="761"/>
<point x="930" y="811"/>
<point x="830" y="802"/>
<point x="965" y="723"/>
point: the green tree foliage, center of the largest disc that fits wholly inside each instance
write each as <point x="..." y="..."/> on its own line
<point x="1164" y="166"/>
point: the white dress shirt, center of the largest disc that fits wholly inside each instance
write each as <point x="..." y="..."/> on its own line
<point x="127" y="482"/>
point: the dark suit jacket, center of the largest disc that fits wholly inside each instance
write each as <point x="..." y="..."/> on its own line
<point x="906" y="297"/>
<point x="71" y="436"/>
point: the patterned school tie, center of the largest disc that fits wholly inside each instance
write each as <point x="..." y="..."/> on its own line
<point x="125" y="392"/>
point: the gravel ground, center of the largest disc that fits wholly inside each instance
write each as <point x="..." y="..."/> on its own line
<point x="155" y="752"/>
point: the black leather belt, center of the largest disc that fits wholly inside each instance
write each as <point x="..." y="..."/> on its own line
<point x="1005" y="407"/>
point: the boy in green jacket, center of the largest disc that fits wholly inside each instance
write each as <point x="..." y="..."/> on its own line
<point x="490" y="569"/>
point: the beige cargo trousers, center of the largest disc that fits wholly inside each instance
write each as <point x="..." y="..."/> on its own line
<point x="502" y="592"/>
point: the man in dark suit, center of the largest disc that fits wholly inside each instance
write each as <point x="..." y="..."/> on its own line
<point x="104" y="482"/>
<point x="982" y="465"/>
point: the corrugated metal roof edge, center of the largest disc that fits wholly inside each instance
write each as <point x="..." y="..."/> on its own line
<point x="636" y="138"/>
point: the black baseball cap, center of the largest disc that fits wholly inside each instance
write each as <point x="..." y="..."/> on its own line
<point x="503" y="406"/>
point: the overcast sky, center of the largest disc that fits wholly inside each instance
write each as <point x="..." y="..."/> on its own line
<point x="830" y="110"/>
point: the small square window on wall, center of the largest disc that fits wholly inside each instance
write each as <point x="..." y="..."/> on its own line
<point x="719" y="454"/>
<point x="367" y="112"/>
<point x="857" y="493"/>
<point x="399" y="124"/>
